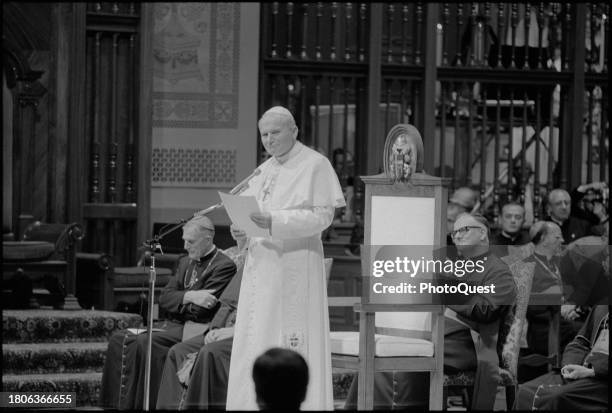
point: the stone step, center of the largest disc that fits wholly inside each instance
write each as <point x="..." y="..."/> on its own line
<point x="56" y="326"/>
<point x="85" y="385"/>
<point x="47" y="358"/>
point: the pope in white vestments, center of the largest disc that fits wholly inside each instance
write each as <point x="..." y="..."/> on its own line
<point x="283" y="295"/>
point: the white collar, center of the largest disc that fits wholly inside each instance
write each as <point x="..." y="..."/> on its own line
<point x="295" y="149"/>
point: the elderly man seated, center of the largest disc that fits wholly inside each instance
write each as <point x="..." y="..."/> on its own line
<point x="582" y="282"/>
<point x="547" y="240"/>
<point x="558" y="208"/>
<point x="191" y="296"/>
<point x="582" y="383"/>
<point x="196" y="371"/>
<point x="478" y="315"/>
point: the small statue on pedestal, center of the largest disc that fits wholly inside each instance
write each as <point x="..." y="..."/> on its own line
<point x="403" y="154"/>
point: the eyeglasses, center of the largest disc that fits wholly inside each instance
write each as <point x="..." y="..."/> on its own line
<point x="463" y="230"/>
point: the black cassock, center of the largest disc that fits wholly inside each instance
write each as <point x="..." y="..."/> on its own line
<point x="552" y="392"/>
<point x="209" y="376"/>
<point x="209" y="370"/>
<point x="123" y="375"/>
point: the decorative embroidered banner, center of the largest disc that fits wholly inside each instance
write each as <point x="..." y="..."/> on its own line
<point x="192" y="167"/>
<point x="196" y="61"/>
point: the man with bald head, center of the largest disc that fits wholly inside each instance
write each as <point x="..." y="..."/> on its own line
<point x="191" y="295"/>
<point x="462" y="200"/>
<point x="559" y="208"/>
<point x="472" y="326"/>
<point x="283" y="295"/>
<point x="547" y="239"/>
<point x="479" y="314"/>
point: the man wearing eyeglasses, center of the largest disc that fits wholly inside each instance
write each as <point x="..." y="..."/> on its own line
<point x="472" y="326"/>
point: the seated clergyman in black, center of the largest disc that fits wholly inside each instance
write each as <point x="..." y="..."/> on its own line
<point x="558" y="208"/>
<point x="511" y="230"/>
<point x="582" y="383"/>
<point x="547" y="240"/>
<point x="196" y="371"/>
<point x="190" y="295"/>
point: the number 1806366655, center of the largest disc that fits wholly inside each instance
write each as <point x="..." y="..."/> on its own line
<point x="37" y="399"/>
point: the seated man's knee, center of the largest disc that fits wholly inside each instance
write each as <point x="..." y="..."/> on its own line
<point x="117" y="338"/>
<point x="172" y="353"/>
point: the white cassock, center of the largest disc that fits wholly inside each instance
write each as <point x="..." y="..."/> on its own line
<point x="283" y="295"/>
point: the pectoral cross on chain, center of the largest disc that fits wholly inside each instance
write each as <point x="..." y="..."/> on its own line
<point x="266" y="193"/>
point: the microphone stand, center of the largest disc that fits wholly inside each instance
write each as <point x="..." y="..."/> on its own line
<point x="153" y="245"/>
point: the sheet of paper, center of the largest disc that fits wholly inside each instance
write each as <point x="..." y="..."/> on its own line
<point x="239" y="208"/>
<point x="143" y="330"/>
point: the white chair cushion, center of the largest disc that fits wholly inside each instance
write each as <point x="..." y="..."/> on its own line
<point x="347" y="343"/>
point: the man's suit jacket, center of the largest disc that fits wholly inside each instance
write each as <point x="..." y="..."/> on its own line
<point x="574" y="228"/>
<point x="215" y="276"/>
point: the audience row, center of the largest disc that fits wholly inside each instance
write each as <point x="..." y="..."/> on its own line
<point x="568" y="253"/>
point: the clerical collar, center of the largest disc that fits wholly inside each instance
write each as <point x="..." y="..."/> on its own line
<point x="480" y="256"/>
<point x="475" y="257"/>
<point x="560" y="223"/>
<point x="209" y="254"/>
<point x="510" y="237"/>
<point x="297" y="146"/>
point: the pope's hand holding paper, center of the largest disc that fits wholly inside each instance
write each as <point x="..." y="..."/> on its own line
<point x="241" y="210"/>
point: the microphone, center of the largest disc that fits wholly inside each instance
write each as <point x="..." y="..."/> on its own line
<point x="244" y="184"/>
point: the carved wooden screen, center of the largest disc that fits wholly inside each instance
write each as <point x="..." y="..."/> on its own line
<point x="458" y="72"/>
<point x="506" y="124"/>
<point x="113" y="71"/>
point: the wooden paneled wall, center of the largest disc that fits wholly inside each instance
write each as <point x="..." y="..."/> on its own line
<point x="80" y="80"/>
<point x="113" y="72"/>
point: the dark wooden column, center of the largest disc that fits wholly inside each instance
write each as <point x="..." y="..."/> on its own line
<point x="145" y="122"/>
<point x="375" y="143"/>
<point x="73" y="49"/>
<point x="574" y="110"/>
<point x="428" y="112"/>
<point x="27" y="92"/>
<point x="61" y="50"/>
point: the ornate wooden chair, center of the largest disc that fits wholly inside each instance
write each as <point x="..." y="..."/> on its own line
<point x="552" y="299"/>
<point x="46" y="257"/>
<point x="401" y="337"/>
<point x="127" y="286"/>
